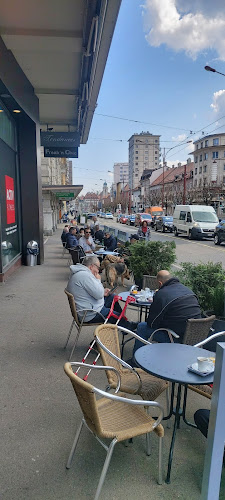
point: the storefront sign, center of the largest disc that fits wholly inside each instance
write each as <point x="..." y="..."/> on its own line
<point x="55" y="152"/>
<point x="10" y="200"/>
<point x="60" y="139"/>
<point x="64" y="195"/>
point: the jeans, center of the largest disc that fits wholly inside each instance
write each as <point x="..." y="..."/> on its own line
<point x="105" y="311"/>
<point x="144" y="331"/>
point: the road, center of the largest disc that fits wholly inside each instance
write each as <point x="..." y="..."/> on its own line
<point x="186" y="250"/>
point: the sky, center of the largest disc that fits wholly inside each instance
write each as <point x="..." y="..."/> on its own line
<point x="155" y="81"/>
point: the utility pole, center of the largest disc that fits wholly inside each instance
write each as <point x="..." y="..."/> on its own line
<point x="164" y="161"/>
<point x="184" y="191"/>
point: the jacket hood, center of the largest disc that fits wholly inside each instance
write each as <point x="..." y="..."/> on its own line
<point x="78" y="268"/>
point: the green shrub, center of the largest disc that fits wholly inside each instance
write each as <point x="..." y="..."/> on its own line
<point x="207" y="282"/>
<point x="150" y="257"/>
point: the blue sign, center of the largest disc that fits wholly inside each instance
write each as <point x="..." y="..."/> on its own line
<point x="56" y="152"/>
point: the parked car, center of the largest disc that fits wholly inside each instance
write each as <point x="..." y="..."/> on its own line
<point x="102" y="215"/>
<point x="90" y="215"/>
<point x="195" y="221"/>
<point x="131" y="220"/>
<point x="108" y="215"/>
<point x="123" y="219"/>
<point x="139" y="218"/>
<point x="219" y="234"/>
<point x="164" y="223"/>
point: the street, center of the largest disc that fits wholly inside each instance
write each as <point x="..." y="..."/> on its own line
<point x="194" y="251"/>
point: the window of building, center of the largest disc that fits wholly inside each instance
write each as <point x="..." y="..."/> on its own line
<point x="156" y="158"/>
<point x="146" y="157"/>
<point x="224" y="167"/>
<point x="146" y="152"/>
<point x="156" y="140"/>
<point x="200" y="170"/>
<point x="196" y="146"/>
<point x="223" y="180"/>
<point x="200" y="182"/>
<point x="136" y="152"/>
<point x="136" y="175"/>
<point x="195" y="182"/>
<point x="200" y="159"/>
<point x="136" y="157"/>
<point x="215" y="154"/>
<point x="206" y="156"/>
<point x="201" y="144"/>
<point x="205" y="168"/>
<point x="224" y="154"/>
<point x="196" y="171"/>
<point x="206" y="143"/>
<point x="136" y="163"/>
<point x="196" y="159"/>
<point x="216" y="142"/>
<point x="156" y="163"/>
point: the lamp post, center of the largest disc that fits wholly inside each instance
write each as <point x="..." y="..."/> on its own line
<point x="208" y="68"/>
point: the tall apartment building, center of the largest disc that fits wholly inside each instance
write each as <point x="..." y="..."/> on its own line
<point x="144" y="153"/>
<point x="209" y="161"/>
<point x="121" y="173"/>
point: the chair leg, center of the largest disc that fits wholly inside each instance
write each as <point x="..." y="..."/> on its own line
<point x="160" y="480"/>
<point x="70" y="331"/>
<point x="75" y="342"/>
<point x="69" y="461"/>
<point x="105" y="467"/>
<point x="148" y="444"/>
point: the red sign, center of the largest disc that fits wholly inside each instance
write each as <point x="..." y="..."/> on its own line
<point x="10" y="200"/>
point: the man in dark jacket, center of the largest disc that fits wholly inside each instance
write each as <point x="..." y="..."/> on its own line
<point x="110" y="242"/>
<point x="99" y="235"/>
<point x="173" y="304"/>
<point x="71" y="240"/>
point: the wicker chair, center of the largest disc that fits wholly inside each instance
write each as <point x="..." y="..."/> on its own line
<point x="196" y="330"/>
<point x="113" y="417"/>
<point x="133" y="380"/>
<point x="77" y="322"/>
<point x="150" y="282"/>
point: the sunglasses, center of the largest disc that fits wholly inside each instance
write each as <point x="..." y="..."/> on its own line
<point x="87" y="232"/>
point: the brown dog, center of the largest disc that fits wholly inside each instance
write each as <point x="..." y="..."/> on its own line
<point x="113" y="271"/>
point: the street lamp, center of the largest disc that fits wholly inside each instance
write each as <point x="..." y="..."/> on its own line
<point x="208" y="68"/>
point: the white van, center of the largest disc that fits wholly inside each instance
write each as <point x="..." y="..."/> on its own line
<point x="195" y="221"/>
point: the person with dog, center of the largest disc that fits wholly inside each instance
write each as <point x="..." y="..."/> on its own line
<point x="110" y="242"/>
<point x="87" y="242"/>
<point x="173" y="304"/>
<point x="144" y="231"/>
<point x="89" y="294"/>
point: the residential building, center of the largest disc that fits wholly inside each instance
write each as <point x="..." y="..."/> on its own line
<point x="121" y="173"/>
<point x="144" y="153"/>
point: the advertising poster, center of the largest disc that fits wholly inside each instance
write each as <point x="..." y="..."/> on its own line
<point x="10" y="200"/>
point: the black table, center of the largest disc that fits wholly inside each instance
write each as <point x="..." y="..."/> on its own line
<point x="141" y="305"/>
<point x="170" y="362"/>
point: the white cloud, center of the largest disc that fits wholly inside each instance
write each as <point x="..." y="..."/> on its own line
<point x="179" y="138"/>
<point x="193" y="26"/>
<point x="110" y="174"/>
<point x="218" y="104"/>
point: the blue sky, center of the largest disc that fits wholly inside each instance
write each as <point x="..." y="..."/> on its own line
<point x="155" y="74"/>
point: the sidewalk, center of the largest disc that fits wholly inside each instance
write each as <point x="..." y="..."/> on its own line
<point x="40" y="413"/>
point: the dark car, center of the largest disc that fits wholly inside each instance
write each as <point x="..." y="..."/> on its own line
<point x="164" y="223"/>
<point x="131" y="220"/>
<point x="90" y="215"/>
<point x="219" y="234"/>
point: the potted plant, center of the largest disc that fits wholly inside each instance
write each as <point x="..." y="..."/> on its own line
<point x="207" y="282"/>
<point x="150" y="257"/>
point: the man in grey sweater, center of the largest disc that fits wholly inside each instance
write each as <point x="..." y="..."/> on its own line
<point x="90" y="295"/>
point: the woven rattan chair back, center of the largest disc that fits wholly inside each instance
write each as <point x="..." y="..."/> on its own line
<point x="197" y="330"/>
<point x="108" y="335"/>
<point x="86" y="398"/>
<point x="72" y="306"/>
<point x="150" y="282"/>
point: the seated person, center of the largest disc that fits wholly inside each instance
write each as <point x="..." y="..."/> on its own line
<point x="99" y="235"/>
<point x="201" y="418"/>
<point x="173" y="304"/>
<point x="87" y="242"/>
<point x="110" y="242"/>
<point x="134" y="238"/>
<point x="63" y="235"/>
<point x="71" y="240"/>
<point x="81" y="233"/>
<point x="89" y="293"/>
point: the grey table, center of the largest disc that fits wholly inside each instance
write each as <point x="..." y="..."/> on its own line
<point x="141" y="305"/>
<point x="170" y="362"/>
<point x="103" y="253"/>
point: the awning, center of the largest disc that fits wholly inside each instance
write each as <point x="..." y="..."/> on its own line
<point x="64" y="193"/>
<point x="62" y="47"/>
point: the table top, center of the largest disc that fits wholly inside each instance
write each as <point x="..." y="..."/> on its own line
<point x="105" y="252"/>
<point x="124" y="296"/>
<point x="170" y="362"/>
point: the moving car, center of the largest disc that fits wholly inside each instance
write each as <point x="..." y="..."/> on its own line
<point x="108" y="215"/>
<point x="123" y="219"/>
<point x="90" y="215"/>
<point x="139" y="218"/>
<point x="195" y="221"/>
<point x="219" y="234"/>
<point x="164" y="223"/>
<point x="131" y="220"/>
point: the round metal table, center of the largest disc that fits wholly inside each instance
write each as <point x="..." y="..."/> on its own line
<point x="170" y="362"/>
<point x="141" y="305"/>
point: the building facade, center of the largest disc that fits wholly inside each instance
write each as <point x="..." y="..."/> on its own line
<point x="121" y="173"/>
<point x="144" y="153"/>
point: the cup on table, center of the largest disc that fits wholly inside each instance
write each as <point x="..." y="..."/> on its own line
<point x="204" y="364"/>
